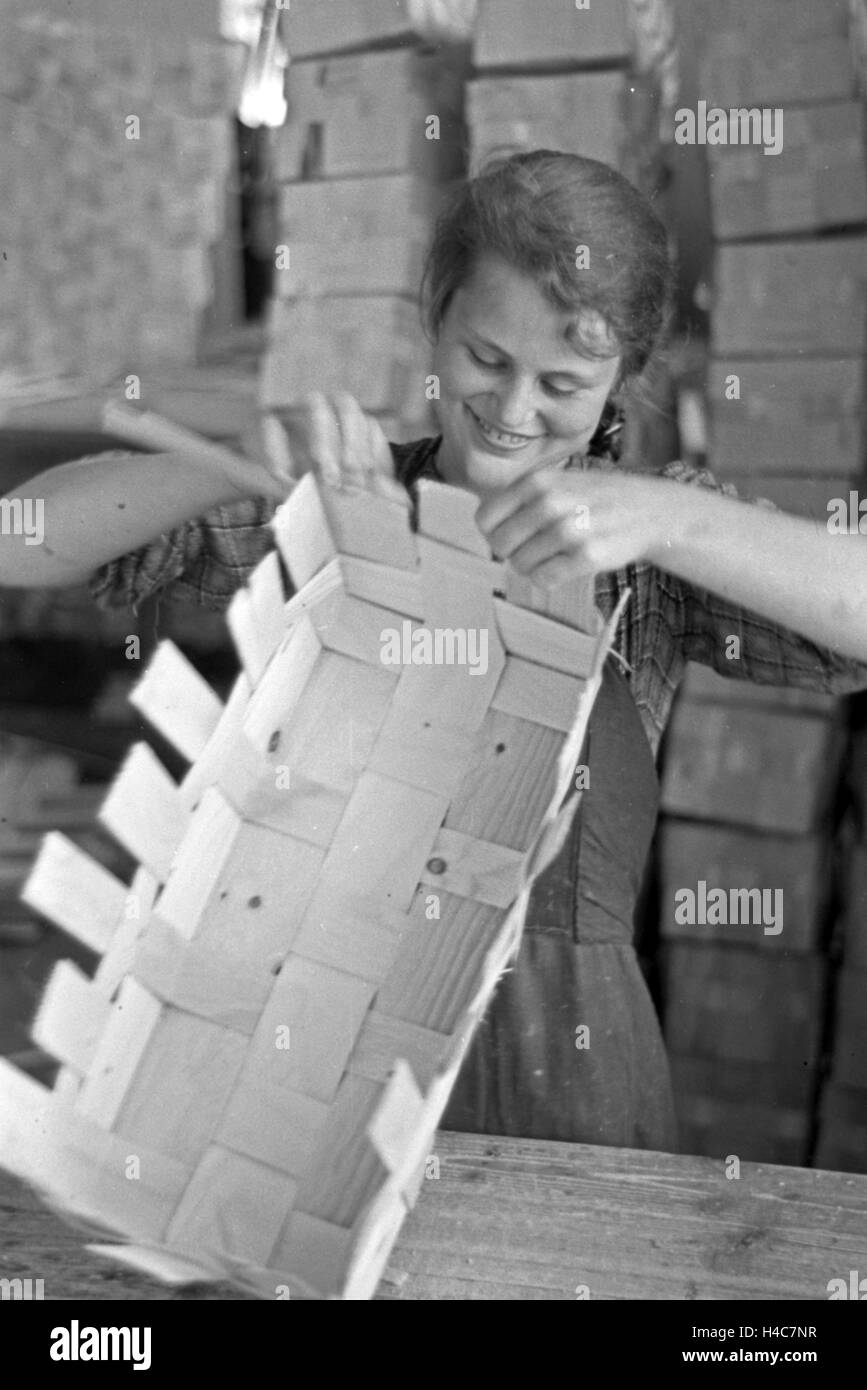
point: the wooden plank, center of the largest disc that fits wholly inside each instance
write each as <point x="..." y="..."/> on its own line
<point x="177" y="701"/>
<point x="384" y="839"/>
<point x="273" y="1124"/>
<point x="70" y="1017"/>
<point x="75" y="892"/>
<point x="371" y="526"/>
<point x="293" y="805"/>
<point x="351" y="627"/>
<point x="232" y="1207"/>
<point x="448" y="514"/>
<point x="185" y="1057"/>
<point x="315" y="1249"/>
<point x="545" y="641"/>
<point x="510" y="780"/>
<point x="118" y="959"/>
<point x="393" y="1129"/>
<point x="472" y="868"/>
<point x="213" y="829"/>
<point x="228" y="747"/>
<point x="546" y="697"/>
<point x="119" y="1050"/>
<point x="345" y="1171"/>
<point x="273" y="701"/>
<point x="506" y="34"/>
<point x="349" y="933"/>
<point x="411" y="749"/>
<point x="254" y="891"/>
<point x="308" y="1028"/>
<point x="303" y="532"/>
<point x="385" y="586"/>
<point x="383" y="1040"/>
<point x="144" y="812"/>
<point x="226" y="989"/>
<point x="256" y="617"/>
<point x="84" y="1168"/>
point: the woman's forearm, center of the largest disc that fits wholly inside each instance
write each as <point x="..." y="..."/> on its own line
<point x="787" y="568"/>
<point x="58" y="527"/>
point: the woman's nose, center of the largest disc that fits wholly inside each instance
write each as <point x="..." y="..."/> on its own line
<point x="516" y="404"/>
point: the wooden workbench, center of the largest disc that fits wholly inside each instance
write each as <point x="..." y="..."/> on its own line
<point x="522" y="1220"/>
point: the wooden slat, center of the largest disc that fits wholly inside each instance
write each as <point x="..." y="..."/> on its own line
<point x="345" y="1171"/>
<point x="119" y="1050"/>
<point x="118" y="959"/>
<point x="543" y="696"/>
<point x="371" y="526"/>
<point x="272" y="703"/>
<point x="176" y="700"/>
<point x="510" y="781"/>
<point x="544" y="641"/>
<point x="394" y="1128"/>
<point x="411" y="749"/>
<point x="344" y="931"/>
<point x="213" y="829"/>
<point x="383" y="1040"/>
<point x="144" y="811"/>
<point x="448" y="514"/>
<point x="273" y="1124"/>
<point x="315" y="1249"/>
<point x="233" y="1206"/>
<point x="303" y="533"/>
<point x="75" y="892"/>
<point x="383" y="585"/>
<point x="256" y="617"/>
<point x="473" y="868"/>
<point x="228" y="989"/>
<point x="70" y="1017"/>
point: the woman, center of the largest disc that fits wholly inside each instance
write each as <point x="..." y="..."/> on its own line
<point x="545" y="292"/>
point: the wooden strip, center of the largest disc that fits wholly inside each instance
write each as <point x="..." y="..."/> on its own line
<point x="274" y="699"/>
<point x="212" y="832"/>
<point x="393" y="1129"/>
<point x="471" y="868"/>
<point x="82" y="1167"/>
<point x="384" y="839"/>
<point x="510" y="781"/>
<point x="373" y="1237"/>
<point x="70" y="1017"/>
<point x="345" y="1172"/>
<point x="121" y="1046"/>
<point x="448" y="514"/>
<point x="177" y="701"/>
<point x="434" y="977"/>
<point x="383" y="585"/>
<point x="186" y="1058"/>
<point x="371" y="526"/>
<point x="75" y="892"/>
<point x="573" y="603"/>
<point x="118" y="959"/>
<point x="293" y="805"/>
<point x="303" y="532"/>
<point x="226" y="989"/>
<point x="341" y="930"/>
<point x="543" y="696"/>
<point x="144" y="812"/>
<point x="384" y="1040"/>
<point x="251" y="887"/>
<point x="232" y="1208"/>
<point x="308" y="1028"/>
<point x="411" y="749"/>
<point x="273" y="1124"/>
<point x="256" y="617"/>
<point x="353" y="627"/>
<point x="316" y="1250"/>
<point x="544" y="641"/>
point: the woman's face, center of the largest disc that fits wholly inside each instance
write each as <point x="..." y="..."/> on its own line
<point x="515" y="396"/>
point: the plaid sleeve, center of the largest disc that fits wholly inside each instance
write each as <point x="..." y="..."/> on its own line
<point x="769" y="654"/>
<point x="202" y="561"/>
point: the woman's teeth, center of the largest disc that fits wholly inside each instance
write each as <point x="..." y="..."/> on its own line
<point x="503" y="441"/>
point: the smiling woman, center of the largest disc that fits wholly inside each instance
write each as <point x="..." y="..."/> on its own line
<point x="545" y="292"/>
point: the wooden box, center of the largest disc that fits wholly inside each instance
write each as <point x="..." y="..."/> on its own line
<point x="251" y="1081"/>
<point x="750" y="1006"/>
<point x="355" y="236"/>
<point x="791" y="874"/>
<point x="369" y="345"/>
<point x="778" y="51"/>
<point x="333" y="26"/>
<point x="603" y="115"/>
<point x="791" y="298"/>
<point x="818" y="178"/>
<point x="509" y="33"/>
<point x="370" y="114"/>
<point x="770" y="770"/>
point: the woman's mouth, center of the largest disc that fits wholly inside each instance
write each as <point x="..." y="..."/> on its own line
<point x="501" y="440"/>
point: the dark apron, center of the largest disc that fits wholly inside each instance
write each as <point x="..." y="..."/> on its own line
<point x="577" y="970"/>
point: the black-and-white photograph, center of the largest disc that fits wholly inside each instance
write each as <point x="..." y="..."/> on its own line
<point x="433" y="662"/>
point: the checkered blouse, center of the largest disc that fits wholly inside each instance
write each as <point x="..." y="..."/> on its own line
<point x="667" y="621"/>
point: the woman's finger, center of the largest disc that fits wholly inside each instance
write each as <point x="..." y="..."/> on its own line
<point x="354" y="438"/>
<point x="324" y="440"/>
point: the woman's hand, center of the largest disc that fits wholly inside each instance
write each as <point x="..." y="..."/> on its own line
<point x="333" y="438"/>
<point x="553" y="526"/>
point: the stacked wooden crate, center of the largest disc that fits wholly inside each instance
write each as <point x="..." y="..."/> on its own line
<point x="756" y="769"/>
<point x="588" y="80"/>
<point x="371" y="139"/>
<point x="116" y="148"/>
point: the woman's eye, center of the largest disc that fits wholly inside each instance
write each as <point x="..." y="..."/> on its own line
<point x="482" y="361"/>
<point x="559" y="390"/>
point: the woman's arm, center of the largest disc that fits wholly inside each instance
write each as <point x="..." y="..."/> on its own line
<point x="555" y="525"/>
<point x="97" y="508"/>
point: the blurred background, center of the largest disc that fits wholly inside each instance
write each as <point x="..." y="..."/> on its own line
<point x="158" y="161"/>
